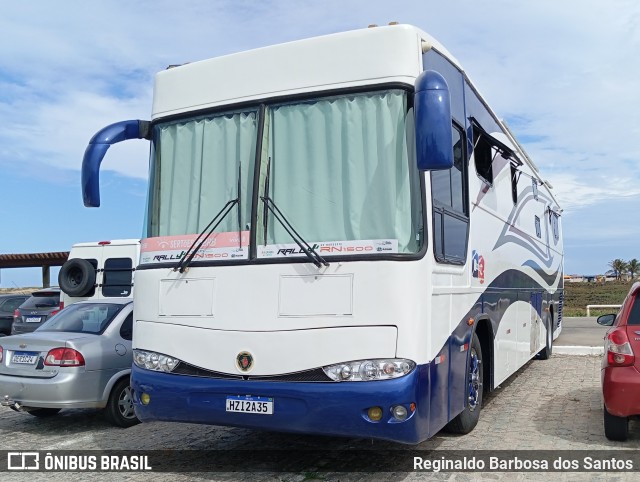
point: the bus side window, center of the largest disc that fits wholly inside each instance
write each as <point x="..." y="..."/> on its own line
<point x="483" y="156"/>
<point x="514" y="183"/>
<point x="450" y="212"/>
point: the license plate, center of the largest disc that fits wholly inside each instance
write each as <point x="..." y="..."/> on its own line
<point x="249" y="404"/>
<point x="32" y="319"/>
<point x="24" y="358"/>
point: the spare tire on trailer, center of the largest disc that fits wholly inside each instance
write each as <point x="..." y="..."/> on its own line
<point x="77" y="277"/>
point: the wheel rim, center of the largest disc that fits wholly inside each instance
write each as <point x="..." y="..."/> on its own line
<point x="125" y="404"/>
<point x="474" y="380"/>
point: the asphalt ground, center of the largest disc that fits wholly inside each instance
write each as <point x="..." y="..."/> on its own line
<point x="581" y="331"/>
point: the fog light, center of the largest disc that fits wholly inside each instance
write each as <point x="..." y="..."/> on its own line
<point x="145" y="398"/>
<point x="399" y="412"/>
<point x="375" y="414"/>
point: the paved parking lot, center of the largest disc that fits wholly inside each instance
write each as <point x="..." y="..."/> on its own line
<point x="553" y="404"/>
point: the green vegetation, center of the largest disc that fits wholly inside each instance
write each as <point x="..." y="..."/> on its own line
<point x="620" y="267"/>
<point x="578" y="295"/>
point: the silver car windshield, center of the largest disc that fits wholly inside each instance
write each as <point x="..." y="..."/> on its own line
<point x="83" y="318"/>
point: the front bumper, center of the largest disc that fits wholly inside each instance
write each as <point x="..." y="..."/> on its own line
<point x="70" y="388"/>
<point x="620" y="389"/>
<point x="332" y="408"/>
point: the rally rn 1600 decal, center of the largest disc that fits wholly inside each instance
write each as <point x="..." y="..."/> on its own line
<point x="331" y="248"/>
<point x="228" y="245"/>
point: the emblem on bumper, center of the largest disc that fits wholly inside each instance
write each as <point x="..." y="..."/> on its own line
<point x="244" y="361"/>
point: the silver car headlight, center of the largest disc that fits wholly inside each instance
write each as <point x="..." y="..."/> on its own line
<point x="369" y="370"/>
<point x="151" y="360"/>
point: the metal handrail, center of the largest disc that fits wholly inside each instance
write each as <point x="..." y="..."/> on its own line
<point x="600" y="306"/>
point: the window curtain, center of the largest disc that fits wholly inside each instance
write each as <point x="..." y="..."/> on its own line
<point x="199" y="164"/>
<point x="340" y="170"/>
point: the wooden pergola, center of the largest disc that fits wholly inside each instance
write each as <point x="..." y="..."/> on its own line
<point x="35" y="260"/>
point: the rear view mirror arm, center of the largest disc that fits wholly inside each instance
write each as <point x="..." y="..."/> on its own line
<point x="96" y="150"/>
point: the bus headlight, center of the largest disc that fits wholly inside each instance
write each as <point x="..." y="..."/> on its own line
<point x="369" y="370"/>
<point x="151" y="360"/>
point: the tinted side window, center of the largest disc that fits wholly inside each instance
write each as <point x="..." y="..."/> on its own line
<point x="118" y="273"/>
<point x="514" y="183"/>
<point x="40" y="301"/>
<point x="483" y="156"/>
<point x="126" y="330"/>
<point x="12" y="304"/>
<point x="555" y="226"/>
<point x="450" y="212"/>
<point x="634" y="314"/>
<point x="433" y="60"/>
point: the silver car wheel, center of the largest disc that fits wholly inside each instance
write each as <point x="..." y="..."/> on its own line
<point x="125" y="403"/>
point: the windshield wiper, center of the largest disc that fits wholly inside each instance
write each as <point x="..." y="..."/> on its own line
<point x="311" y="253"/>
<point x="186" y="260"/>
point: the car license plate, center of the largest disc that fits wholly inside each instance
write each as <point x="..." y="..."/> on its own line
<point x="249" y="404"/>
<point x="32" y="319"/>
<point x="24" y="357"/>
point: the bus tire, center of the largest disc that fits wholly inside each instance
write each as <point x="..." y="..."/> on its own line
<point x="77" y="277"/>
<point x="615" y="428"/>
<point x="119" y="410"/>
<point x="466" y="420"/>
<point x="43" y="412"/>
<point x="545" y="353"/>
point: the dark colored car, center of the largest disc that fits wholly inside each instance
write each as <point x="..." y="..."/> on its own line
<point x="621" y="366"/>
<point x="8" y="305"/>
<point x="38" y="308"/>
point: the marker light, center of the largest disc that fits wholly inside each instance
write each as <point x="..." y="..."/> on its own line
<point x="369" y="370"/>
<point x="399" y="412"/>
<point x="374" y="414"/>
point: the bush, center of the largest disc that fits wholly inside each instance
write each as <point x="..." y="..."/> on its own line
<point x="578" y="295"/>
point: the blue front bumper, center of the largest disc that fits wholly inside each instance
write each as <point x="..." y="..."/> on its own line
<point x="333" y="408"/>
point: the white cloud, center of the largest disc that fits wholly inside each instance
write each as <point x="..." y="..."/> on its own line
<point x="564" y="74"/>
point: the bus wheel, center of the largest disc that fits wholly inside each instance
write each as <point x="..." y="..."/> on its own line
<point x="468" y="418"/>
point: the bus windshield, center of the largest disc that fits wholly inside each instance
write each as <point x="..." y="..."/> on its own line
<point x="338" y="168"/>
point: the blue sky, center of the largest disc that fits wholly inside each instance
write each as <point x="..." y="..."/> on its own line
<point x="563" y="75"/>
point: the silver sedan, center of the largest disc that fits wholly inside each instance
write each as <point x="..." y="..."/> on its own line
<point x="80" y="358"/>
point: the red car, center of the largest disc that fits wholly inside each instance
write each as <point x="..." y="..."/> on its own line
<point x="621" y="366"/>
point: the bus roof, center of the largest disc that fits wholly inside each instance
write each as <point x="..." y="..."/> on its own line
<point x="348" y="59"/>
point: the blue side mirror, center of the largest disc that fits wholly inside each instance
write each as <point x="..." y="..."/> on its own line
<point x="98" y="147"/>
<point x="434" y="149"/>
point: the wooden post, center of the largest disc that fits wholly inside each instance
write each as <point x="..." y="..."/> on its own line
<point x="46" y="277"/>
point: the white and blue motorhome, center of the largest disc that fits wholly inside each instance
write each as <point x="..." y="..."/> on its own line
<point x="341" y="238"/>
